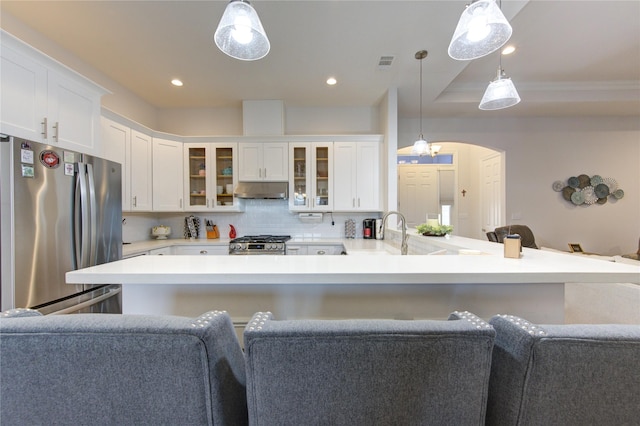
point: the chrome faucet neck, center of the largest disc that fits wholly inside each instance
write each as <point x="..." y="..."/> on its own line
<point x="404" y="247"/>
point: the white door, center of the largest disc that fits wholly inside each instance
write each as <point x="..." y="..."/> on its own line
<point x="417" y="192"/>
<point x="492" y="203"/>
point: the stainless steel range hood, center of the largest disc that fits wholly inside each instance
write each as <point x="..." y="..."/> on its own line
<point x="258" y="190"/>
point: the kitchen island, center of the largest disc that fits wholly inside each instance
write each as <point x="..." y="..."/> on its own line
<point x="370" y="282"/>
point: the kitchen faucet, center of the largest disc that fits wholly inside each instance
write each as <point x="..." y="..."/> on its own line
<point x="404" y="247"/>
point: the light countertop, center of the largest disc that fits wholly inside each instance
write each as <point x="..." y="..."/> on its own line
<point x="486" y="264"/>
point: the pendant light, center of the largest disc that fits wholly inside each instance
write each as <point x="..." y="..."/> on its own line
<point x="240" y="33"/>
<point x="501" y="92"/>
<point x="421" y="147"/>
<point x="482" y="29"/>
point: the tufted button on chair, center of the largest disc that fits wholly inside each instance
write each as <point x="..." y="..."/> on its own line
<point x="367" y="372"/>
<point x="570" y="375"/>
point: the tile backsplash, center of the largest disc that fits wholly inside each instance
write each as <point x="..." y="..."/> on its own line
<point x="259" y="217"/>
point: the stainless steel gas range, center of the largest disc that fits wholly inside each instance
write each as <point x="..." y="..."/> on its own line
<point x="259" y="244"/>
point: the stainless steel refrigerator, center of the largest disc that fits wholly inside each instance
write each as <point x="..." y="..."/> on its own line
<point x="60" y="211"/>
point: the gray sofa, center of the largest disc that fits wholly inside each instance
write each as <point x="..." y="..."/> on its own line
<point x="564" y="374"/>
<point x="120" y="370"/>
<point x="367" y="372"/>
<point x="147" y="370"/>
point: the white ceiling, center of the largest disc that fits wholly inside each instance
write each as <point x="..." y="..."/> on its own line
<point x="572" y="58"/>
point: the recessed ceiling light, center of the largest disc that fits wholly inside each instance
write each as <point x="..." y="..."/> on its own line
<point x="508" y="50"/>
<point x="331" y="81"/>
<point x="176" y="82"/>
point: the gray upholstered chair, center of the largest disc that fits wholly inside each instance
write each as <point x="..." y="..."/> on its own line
<point x="564" y="374"/>
<point x="102" y="369"/>
<point x="526" y="235"/>
<point x="367" y="372"/>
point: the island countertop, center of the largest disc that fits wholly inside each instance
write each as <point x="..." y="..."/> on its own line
<point x="484" y="263"/>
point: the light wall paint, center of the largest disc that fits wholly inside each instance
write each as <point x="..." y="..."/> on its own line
<point x="539" y="151"/>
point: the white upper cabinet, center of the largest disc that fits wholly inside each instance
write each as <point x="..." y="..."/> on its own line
<point x="311" y="176"/>
<point x="356" y="176"/>
<point x="167" y="175"/>
<point x="116" y="146"/>
<point x="266" y="161"/>
<point x="132" y="149"/>
<point x="141" y="171"/>
<point x="46" y="102"/>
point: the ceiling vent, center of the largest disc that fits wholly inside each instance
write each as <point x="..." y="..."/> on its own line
<point x="385" y="62"/>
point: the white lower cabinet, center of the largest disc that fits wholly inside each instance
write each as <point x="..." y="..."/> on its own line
<point x="296" y="250"/>
<point x="205" y="250"/>
<point x="160" y="251"/>
<point x="321" y="250"/>
<point x="315" y="249"/>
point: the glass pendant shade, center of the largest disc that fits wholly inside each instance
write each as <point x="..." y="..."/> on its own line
<point x="501" y="93"/>
<point x="240" y="33"/>
<point x="482" y="29"/>
<point x="420" y="147"/>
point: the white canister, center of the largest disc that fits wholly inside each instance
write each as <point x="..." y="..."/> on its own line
<point x="378" y="229"/>
<point x="229" y="188"/>
<point x="219" y="189"/>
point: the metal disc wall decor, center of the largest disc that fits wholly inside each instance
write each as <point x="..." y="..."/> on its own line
<point x="585" y="190"/>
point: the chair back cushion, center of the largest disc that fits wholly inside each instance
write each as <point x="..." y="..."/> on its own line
<point x="526" y="235"/>
<point x="564" y="374"/>
<point x="367" y="372"/>
<point x="104" y="369"/>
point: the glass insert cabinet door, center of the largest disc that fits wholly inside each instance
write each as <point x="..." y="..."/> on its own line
<point x="224" y="183"/>
<point x="310" y="176"/>
<point x="197" y="176"/>
<point x="322" y="179"/>
<point x="210" y="175"/>
<point x="299" y="194"/>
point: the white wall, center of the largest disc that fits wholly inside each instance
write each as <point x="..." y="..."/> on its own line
<point x="540" y="151"/>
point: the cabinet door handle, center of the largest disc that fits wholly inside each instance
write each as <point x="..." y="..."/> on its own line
<point x="358" y="201"/>
<point x="135" y="201"/>
<point x="321" y="252"/>
<point x="260" y="172"/>
<point x="180" y="202"/>
<point x="45" y="128"/>
<point x="265" y="172"/>
<point x="56" y="134"/>
<point x="207" y="203"/>
<point x="203" y="252"/>
<point x="353" y="202"/>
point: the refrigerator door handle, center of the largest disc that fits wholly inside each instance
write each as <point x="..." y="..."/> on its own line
<point x="112" y="292"/>
<point x="81" y="223"/>
<point x="93" y="211"/>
